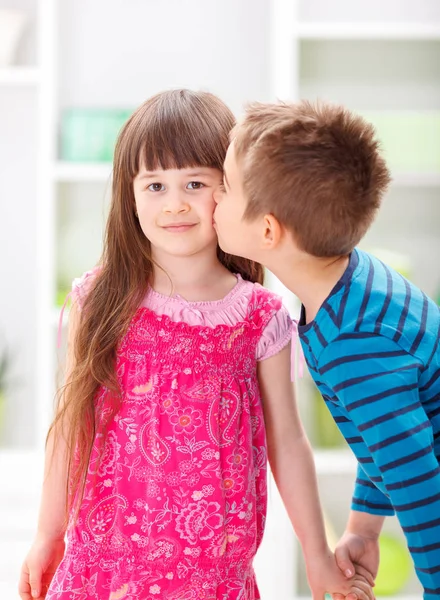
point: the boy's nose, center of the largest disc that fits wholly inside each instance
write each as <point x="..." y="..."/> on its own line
<point x="217" y="196"/>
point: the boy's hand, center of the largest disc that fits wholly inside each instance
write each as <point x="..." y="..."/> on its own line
<point x="39" y="568"/>
<point x="324" y="576"/>
<point x="357" y="554"/>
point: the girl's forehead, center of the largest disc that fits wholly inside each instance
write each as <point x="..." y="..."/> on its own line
<point x="192" y="171"/>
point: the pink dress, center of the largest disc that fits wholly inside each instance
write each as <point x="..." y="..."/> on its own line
<point x="175" y="500"/>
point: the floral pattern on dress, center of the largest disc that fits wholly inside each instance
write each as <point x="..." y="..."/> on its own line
<point x="175" y="498"/>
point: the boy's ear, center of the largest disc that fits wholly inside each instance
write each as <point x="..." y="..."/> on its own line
<point x="272" y="232"/>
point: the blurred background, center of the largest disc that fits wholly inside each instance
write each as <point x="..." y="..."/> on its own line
<point x="71" y="72"/>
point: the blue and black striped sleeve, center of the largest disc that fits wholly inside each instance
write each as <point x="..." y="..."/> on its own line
<point x="368" y="498"/>
<point x="377" y="383"/>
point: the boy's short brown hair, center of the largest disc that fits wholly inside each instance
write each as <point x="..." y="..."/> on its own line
<point x="316" y="168"/>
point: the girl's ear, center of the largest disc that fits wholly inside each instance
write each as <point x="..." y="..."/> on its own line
<point x="272" y="232"/>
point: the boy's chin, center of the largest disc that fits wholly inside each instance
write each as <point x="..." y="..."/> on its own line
<point x="229" y="249"/>
<point x="223" y="245"/>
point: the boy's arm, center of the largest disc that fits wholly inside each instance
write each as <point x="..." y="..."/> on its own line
<point x="368" y="498"/>
<point x="378" y="385"/>
<point x="359" y="544"/>
<point x="292" y="465"/>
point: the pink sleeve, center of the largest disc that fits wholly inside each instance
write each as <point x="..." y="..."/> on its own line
<point x="81" y="286"/>
<point x="276" y="335"/>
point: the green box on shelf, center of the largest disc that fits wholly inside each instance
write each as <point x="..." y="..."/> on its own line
<point x="410" y="139"/>
<point x="89" y="134"/>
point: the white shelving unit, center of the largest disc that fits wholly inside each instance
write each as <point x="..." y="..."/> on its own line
<point x="375" y="56"/>
<point x="23" y="98"/>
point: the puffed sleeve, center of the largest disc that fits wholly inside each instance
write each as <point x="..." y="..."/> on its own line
<point x="276" y="335"/>
<point x="81" y="286"/>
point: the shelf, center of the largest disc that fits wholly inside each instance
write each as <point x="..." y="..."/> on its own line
<point x="328" y="462"/>
<point x="79" y="172"/>
<point x="19" y="76"/>
<point x="368" y="31"/>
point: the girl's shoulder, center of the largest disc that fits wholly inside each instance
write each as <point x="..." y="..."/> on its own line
<point x="262" y="299"/>
<point x="81" y="286"/>
<point x="266" y="307"/>
<point x="246" y="301"/>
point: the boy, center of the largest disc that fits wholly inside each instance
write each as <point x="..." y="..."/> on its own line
<point x="302" y="186"/>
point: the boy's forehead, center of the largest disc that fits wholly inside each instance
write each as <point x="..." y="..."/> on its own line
<point x="230" y="165"/>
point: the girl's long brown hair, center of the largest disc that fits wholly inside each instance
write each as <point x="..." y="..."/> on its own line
<point x="175" y="129"/>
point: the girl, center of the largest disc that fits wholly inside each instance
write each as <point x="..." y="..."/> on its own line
<point x="160" y="431"/>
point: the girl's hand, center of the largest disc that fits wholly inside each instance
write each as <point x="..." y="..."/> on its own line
<point x="39" y="568"/>
<point x="324" y="576"/>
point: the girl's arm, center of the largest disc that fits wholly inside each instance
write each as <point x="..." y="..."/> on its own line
<point x="293" y="468"/>
<point x="52" y="516"/>
<point x="48" y="547"/>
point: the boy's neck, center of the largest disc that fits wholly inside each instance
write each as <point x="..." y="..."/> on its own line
<point x="198" y="278"/>
<point x="311" y="279"/>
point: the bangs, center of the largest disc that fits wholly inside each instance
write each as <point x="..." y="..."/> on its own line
<point x="178" y="130"/>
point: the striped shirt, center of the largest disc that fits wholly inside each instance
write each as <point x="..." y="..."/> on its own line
<point x="373" y="351"/>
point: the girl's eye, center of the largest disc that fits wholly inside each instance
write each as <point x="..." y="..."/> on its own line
<point x="195" y="185"/>
<point x="221" y="187"/>
<point x="156" y="187"/>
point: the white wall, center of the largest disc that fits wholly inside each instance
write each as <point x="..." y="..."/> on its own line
<point x="119" y="53"/>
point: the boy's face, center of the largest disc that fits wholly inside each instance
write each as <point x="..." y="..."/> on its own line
<point x="235" y="235"/>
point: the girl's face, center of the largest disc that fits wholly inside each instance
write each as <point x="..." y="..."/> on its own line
<point x="175" y="208"/>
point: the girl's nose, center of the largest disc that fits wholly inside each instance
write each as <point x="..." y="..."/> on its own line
<point x="176" y="204"/>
